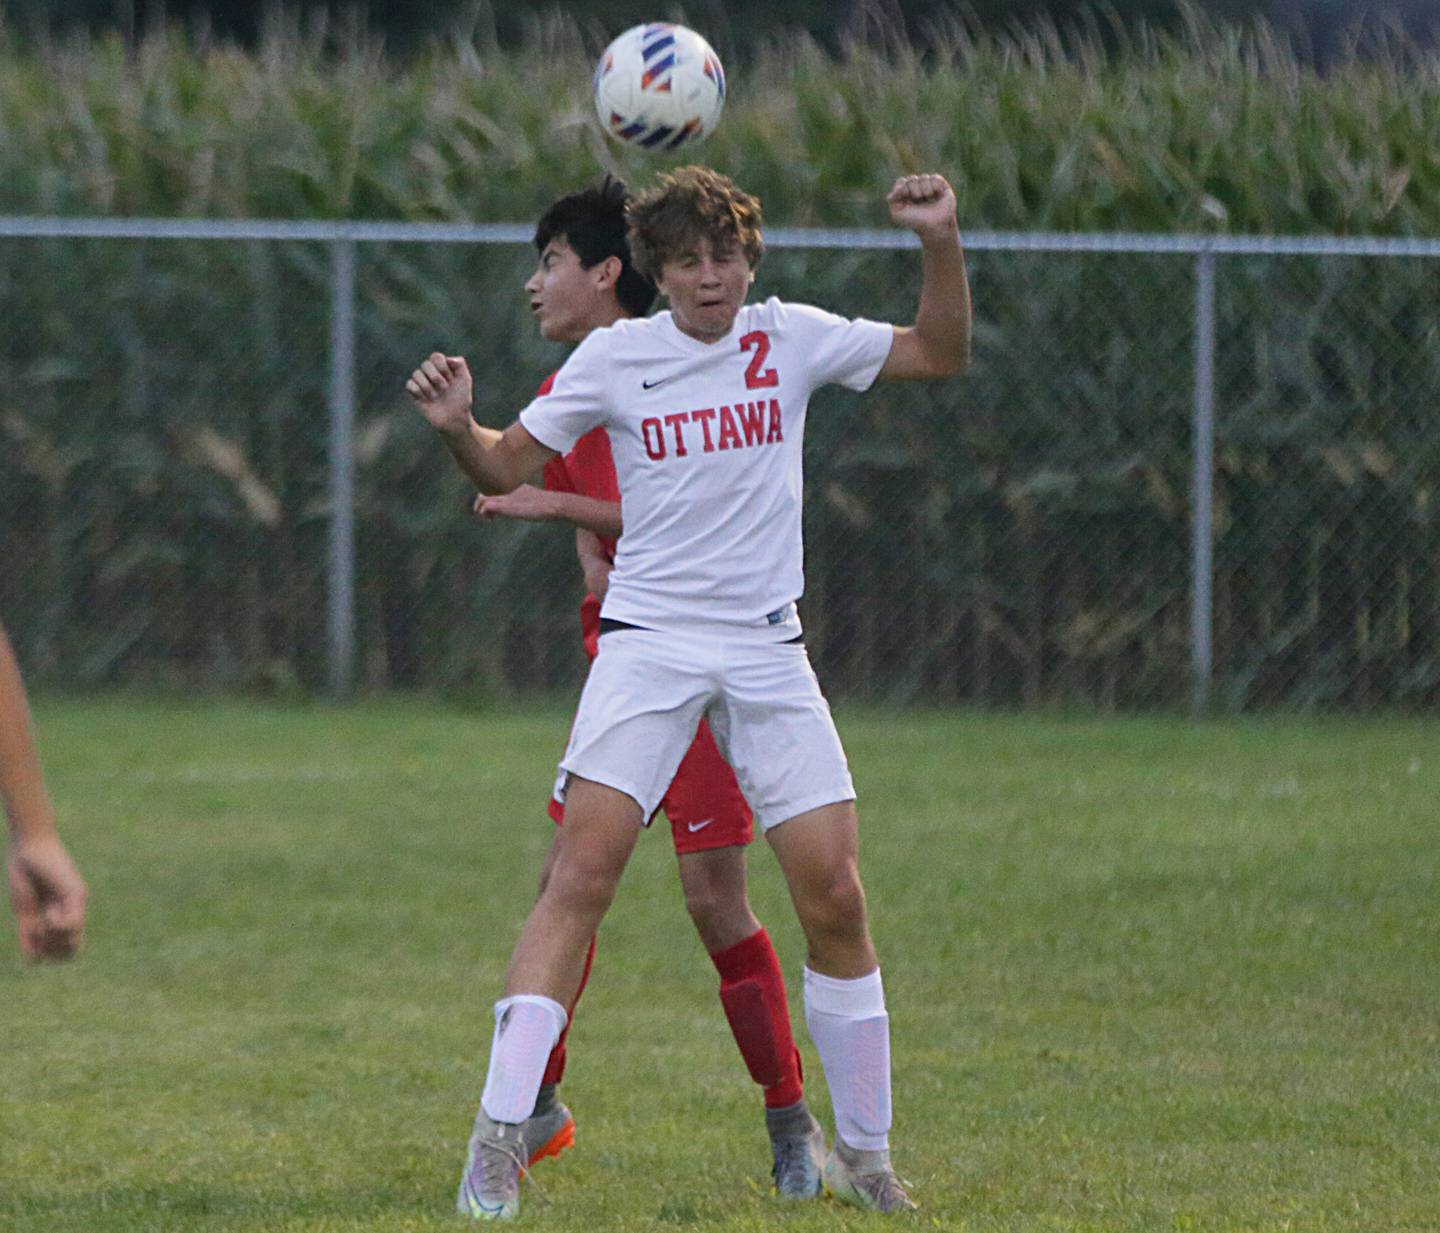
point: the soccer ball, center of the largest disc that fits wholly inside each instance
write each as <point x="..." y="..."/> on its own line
<point x="659" y="87"/>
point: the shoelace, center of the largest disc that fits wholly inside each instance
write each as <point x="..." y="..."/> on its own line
<point x="517" y="1154"/>
<point x="487" y="1154"/>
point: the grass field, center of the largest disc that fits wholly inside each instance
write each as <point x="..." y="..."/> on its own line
<point x="1143" y="975"/>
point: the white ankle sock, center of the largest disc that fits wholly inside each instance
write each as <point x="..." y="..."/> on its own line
<point x="851" y="1031"/>
<point x="526" y="1029"/>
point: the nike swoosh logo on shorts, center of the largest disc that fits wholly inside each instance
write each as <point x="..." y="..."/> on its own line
<point x="692" y="827"/>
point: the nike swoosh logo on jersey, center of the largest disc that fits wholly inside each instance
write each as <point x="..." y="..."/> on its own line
<point x="650" y="385"/>
<point x="692" y="827"/>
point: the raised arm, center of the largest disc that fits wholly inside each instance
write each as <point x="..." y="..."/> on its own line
<point x="938" y="344"/>
<point x="46" y="890"/>
<point x="495" y="461"/>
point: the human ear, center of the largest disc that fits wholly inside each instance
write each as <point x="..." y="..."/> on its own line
<point x="608" y="273"/>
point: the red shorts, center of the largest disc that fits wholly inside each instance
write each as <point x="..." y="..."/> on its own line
<point x="704" y="804"/>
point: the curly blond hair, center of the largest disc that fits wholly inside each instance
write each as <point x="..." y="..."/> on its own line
<point x="688" y="204"/>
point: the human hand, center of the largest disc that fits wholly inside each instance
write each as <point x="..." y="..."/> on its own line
<point x="597" y="578"/>
<point x="595" y="562"/>
<point x="526" y="502"/>
<point x="442" y="390"/>
<point x="48" y="898"/>
<point x="924" y="204"/>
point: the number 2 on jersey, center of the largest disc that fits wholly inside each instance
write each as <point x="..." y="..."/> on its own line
<point x="755" y="379"/>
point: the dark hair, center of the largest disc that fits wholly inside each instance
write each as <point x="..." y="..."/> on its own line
<point x="592" y="221"/>
<point x="689" y="203"/>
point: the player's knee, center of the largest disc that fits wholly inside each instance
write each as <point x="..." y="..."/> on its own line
<point x="582" y="887"/>
<point x="700" y="902"/>
<point x="714" y="886"/>
<point x="836" y="905"/>
<point x="715" y="909"/>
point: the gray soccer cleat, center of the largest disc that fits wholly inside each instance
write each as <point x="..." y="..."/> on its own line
<point x="490" y="1186"/>
<point x="548" y="1133"/>
<point x="799" y="1151"/>
<point x="866" y="1180"/>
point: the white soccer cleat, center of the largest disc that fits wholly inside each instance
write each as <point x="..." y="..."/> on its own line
<point x="866" y="1180"/>
<point x="490" y="1185"/>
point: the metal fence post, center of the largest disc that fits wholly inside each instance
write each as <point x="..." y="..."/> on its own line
<point x="1202" y="488"/>
<point x="340" y="594"/>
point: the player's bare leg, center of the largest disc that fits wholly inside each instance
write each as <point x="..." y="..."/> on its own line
<point x="844" y="1000"/>
<point x="716" y="896"/>
<point x="752" y="991"/>
<point x="590" y="853"/>
<point x="818" y="853"/>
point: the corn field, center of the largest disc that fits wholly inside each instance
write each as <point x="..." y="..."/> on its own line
<point x="1020" y="537"/>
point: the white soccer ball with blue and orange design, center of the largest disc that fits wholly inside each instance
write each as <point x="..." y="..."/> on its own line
<point x="659" y="87"/>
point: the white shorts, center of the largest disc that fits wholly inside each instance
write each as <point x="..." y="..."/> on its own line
<point x="647" y="691"/>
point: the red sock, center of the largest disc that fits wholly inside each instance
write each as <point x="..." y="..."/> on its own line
<point x="555" y="1067"/>
<point x="752" y="991"/>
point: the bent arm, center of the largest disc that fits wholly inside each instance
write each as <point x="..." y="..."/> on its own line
<point x="544" y="505"/>
<point x="600" y="518"/>
<point x="938" y="344"/>
<point x="495" y="461"/>
<point x="595" y="563"/>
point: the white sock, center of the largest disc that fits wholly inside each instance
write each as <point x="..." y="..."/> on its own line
<point x="851" y="1031"/>
<point x="526" y="1029"/>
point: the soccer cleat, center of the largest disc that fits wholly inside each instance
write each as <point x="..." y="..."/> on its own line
<point x="799" y="1153"/>
<point x="548" y="1134"/>
<point x="490" y="1186"/>
<point x="876" y="1188"/>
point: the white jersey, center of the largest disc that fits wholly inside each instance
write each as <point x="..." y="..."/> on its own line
<point x="707" y="444"/>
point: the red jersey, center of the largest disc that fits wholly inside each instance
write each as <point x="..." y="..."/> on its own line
<point x="588" y="470"/>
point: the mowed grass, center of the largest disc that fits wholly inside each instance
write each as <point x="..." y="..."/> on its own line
<point x="1143" y="974"/>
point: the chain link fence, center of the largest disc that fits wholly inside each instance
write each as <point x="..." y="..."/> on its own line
<point x="1182" y="472"/>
